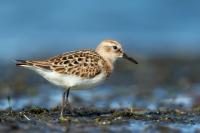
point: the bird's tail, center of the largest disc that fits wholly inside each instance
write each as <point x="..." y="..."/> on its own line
<point x="33" y="64"/>
<point x="23" y="63"/>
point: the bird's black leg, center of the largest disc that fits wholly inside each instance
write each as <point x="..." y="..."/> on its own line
<point x="67" y="100"/>
<point x="62" y="104"/>
<point x="68" y="93"/>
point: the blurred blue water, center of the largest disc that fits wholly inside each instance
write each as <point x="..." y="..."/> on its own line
<point x="143" y="26"/>
<point x="141" y="126"/>
<point x="104" y="97"/>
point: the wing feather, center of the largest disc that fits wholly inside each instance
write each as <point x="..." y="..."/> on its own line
<point x="80" y="63"/>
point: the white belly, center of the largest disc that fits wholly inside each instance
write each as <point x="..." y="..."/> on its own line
<point x="70" y="81"/>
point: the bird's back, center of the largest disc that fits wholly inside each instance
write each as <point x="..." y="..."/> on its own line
<point x="81" y="67"/>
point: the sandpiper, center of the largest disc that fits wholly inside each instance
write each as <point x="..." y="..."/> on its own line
<point x="78" y="69"/>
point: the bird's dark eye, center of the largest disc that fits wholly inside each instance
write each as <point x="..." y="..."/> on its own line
<point x="114" y="47"/>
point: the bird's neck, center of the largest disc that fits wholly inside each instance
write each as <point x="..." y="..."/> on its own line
<point x="108" y="63"/>
<point x="108" y="67"/>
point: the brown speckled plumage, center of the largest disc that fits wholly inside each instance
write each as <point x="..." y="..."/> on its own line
<point x="83" y="63"/>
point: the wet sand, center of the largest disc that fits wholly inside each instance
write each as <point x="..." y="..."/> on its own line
<point x="158" y="95"/>
<point x="36" y="119"/>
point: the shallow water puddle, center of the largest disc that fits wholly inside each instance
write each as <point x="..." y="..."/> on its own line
<point x="149" y="120"/>
<point x="49" y="97"/>
<point x="142" y="126"/>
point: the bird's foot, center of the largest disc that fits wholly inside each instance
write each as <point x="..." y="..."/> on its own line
<point x="64" y="119"/>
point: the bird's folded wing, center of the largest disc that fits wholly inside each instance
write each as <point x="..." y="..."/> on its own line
<point x="84" y="64"/>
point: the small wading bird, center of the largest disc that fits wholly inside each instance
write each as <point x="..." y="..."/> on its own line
<point x="78" y="69"/>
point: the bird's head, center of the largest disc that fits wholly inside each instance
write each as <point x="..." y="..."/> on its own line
<point x="112" y="50"/>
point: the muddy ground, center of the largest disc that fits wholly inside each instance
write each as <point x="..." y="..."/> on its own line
<point x="36" y="119"/>
<point x="158" y="95"/>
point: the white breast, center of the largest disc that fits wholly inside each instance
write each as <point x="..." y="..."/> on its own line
<point x="70" y="81"/>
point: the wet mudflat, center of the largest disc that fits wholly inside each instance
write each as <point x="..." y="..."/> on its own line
<point x="159" y="95"/>
<point x="32" y="119"/>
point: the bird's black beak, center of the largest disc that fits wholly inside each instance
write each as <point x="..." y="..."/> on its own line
<point x="125" y="56"/>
